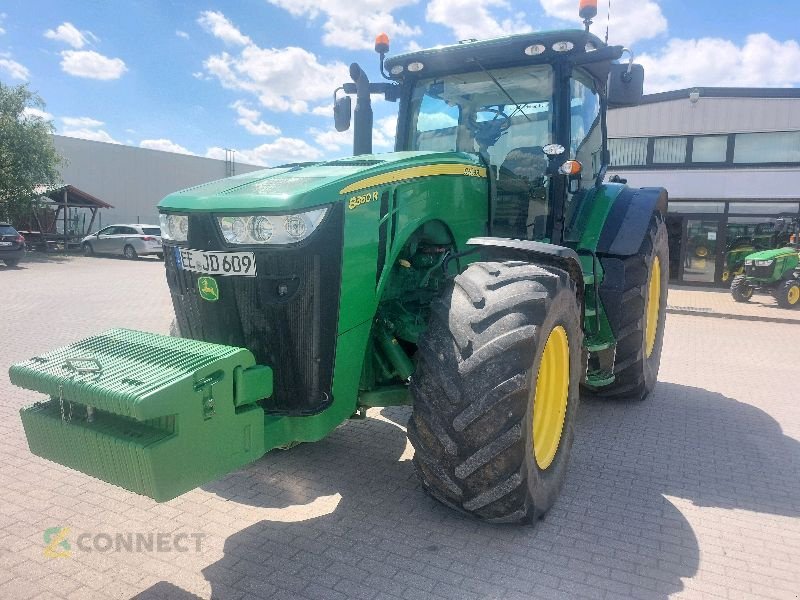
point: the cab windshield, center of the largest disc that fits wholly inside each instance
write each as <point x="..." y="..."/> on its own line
<point x="496" y="111"/>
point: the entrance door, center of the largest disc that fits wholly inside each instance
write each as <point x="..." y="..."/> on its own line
<point x="702" y="238"/>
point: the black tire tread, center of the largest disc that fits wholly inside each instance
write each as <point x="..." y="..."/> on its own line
<point x="470" y="387"/>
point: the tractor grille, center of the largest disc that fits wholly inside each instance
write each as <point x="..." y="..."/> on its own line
<point x="293" y="332"/>
<point x="759" y="272"/>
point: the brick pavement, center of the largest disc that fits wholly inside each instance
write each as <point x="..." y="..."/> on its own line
<point x="718" y="302"/>
<point x="692" y="493"/>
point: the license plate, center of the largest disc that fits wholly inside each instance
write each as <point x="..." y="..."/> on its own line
<point x="5" y="243"/>
<point x="216" y="263"/>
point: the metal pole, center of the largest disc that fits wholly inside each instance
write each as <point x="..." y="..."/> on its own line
<point x="66" y="211"/>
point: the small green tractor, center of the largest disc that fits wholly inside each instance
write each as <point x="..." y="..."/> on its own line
<point x="484" y="273"/>
<point x="775" y="271"/>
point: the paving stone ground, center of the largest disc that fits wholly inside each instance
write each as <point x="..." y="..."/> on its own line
<point x="693" y="493"/>
<point x="719" y="302"/>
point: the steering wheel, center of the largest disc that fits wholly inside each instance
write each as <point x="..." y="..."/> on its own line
<point x="486" y="133"/>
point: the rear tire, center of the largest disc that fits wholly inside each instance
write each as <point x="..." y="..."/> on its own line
<point x="476" y="385"/>
<point x="740" y="289"/>
<point x="638" y="357"/>
<point x="130" y="252"/>
<point x="11" y="262"/>
<point x="788" y="294"/>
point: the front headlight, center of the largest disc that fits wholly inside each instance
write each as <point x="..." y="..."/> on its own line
<point x="764" y="263"/>
<point x="174" y="227"/>
<point x="270" y="229"/>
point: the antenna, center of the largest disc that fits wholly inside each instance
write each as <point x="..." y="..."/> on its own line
<point x="608" y="19"/>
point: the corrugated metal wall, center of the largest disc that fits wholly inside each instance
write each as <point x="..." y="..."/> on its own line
<point x="133" y="179"/>
<point x="707" y="115"/>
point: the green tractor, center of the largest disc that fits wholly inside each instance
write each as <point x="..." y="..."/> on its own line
<point x="773" y="271"/>
<point x="483" y="273"/>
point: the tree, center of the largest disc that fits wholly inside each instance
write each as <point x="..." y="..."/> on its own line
<point x="27" y="156"/>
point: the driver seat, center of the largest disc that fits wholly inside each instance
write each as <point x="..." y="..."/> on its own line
<point x="520" y="182"/>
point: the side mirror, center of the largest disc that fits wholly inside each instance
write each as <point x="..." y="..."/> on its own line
<point x="342" y="110"/>
<point x="625" y="84"/>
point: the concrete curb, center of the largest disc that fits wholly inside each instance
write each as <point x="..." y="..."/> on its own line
<point x="716" y="315"/>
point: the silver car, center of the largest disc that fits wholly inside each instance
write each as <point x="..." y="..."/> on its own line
<point x="131" y="241"/>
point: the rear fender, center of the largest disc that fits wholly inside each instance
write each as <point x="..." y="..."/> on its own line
<point x="628" y="221"/>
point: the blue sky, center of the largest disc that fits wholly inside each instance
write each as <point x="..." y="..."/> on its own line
<point x="258" y="75"/>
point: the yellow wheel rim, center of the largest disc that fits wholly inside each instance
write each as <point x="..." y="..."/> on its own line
<point x="725" y="275"/>
<point x="550" y="399"/>
<point x="701" y="251"/>
<point x="793" y="295"/>
<point x="653" y="306"/>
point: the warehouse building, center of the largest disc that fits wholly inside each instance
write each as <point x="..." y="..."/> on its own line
<point x="133" y="180"/>
<point x="730" y="159"/>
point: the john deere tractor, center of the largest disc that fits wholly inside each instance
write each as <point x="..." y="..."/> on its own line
<point x="775" y="271"/>
<point x="482" y="273"/>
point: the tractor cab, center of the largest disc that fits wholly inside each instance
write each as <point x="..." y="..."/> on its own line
<point x="531" y="107"/>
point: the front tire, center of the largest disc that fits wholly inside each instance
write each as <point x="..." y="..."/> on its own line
<point x="740" y="289"/>
<point x="788" y="294"/>
<point x="496" y="391"/>
<point x="11" y="263"/>
<point x="87" y="249"/>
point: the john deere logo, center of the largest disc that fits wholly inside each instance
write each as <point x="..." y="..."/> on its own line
<point x="56" y="544"/>
<point x="209" y="290"/>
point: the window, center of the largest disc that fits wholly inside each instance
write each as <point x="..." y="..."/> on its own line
<point x="764" y="208"/>
<point x="696" y="207"/>
<point x="669" y="150"/>
<point x="775" y="147"/>
<point x="586" y="138"/>
<point x="151" y="230"/>
<point x="709" y="148"/>
<point x="628" y="151"/>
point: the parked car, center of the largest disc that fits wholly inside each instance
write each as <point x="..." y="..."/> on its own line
<point x="131" y="241"/>
<point x="12" y="245"/>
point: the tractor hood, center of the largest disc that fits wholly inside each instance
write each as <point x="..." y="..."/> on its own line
<point x="302" y="186"/>
<point x="771" y="254"/>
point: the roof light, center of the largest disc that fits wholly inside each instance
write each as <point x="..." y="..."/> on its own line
<point x="564" y="46"/>
<point x="587" y="9"/>
<point x="534" y="50"/>
<point x="415" y="67"/>
<point x="553" y="149"/>
<point x="397" y="69"/>
<point x="570" y="167"/>
<point x="382" y="43"/>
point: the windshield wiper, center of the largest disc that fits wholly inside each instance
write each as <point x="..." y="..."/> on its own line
<point x="502" y="89"/>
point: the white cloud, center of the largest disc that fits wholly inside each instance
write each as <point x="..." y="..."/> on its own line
<point x="220" y="27"/>
<point x="2" y="18"/>
<point x="468" y="20"/>
<point x="352" y="24"/>
<point x="164" y="145"/>
<point x="81" y="122"/>
<point x="280" y="151"/>
<point x="761" y="61"/>
<point x="182" y="34"/>
<point x="86" y="128"/>
<point x="323" y="110"/>
<point x="250" y="119"/>
<point x="34" y="113"/>
<point x="12" y="68"/>
<point x="332" y="140"/>
<point x="631" y="20"/>
<point x="283" y="79"/>
<point x="69" y="34"/>
<point x="92" y="65"/>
